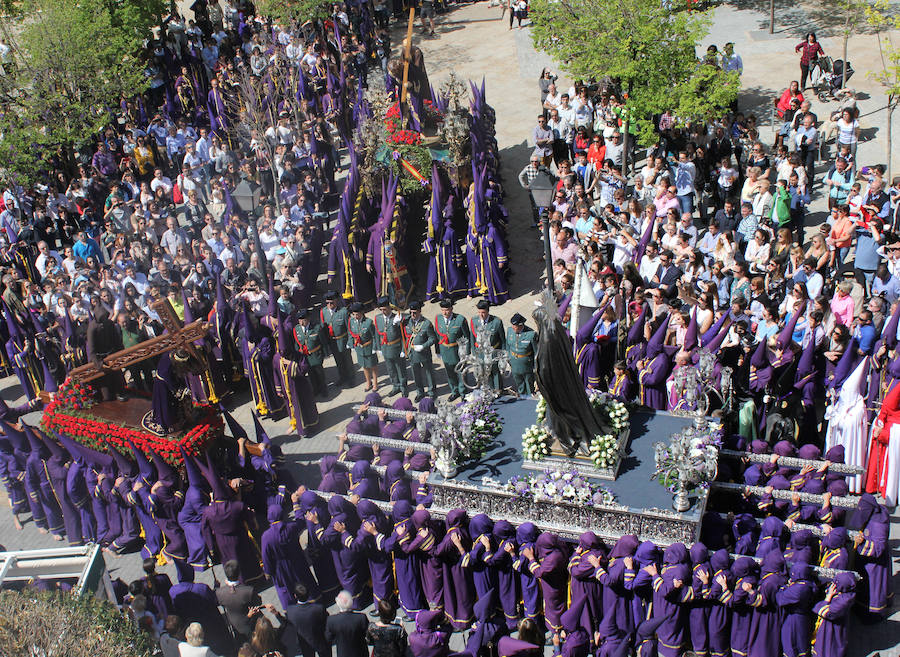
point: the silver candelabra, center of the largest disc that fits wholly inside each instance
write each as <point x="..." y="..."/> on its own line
<point x="446" y="438"/>
<point x="480" y="363"/>
<point x="695" y="384"/>
<point x="689" y="460"/>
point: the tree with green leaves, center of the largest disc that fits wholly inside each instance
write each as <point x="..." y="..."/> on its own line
<point x="283" y="11"/>
<point x="43" y="623"/>
<point x="646" y="47"/>
<point x="884" y="22"/>
<point x="73" y="61"/>
<point x="851" y="15"/>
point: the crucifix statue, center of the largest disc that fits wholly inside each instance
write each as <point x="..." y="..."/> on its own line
<point x="177" y="336"/>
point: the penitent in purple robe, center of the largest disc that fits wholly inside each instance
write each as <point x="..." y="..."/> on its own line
<point x="618" y="619"/>
<point x="424" y="543"/>
<point x="283" y="559"/>
<point x="507" y="579"/>
<point x="741" y="603"/>
<point x="459" y="593"/>
<point x="549" y="567"/>
<point x="225" y="525"/>
<point x="483" y="577"/>
<point x="318" y="554"/>
<point x="37" y="484"/>
<point x="77" y="492"/>
<point x="795" y="600"/>
<point x="428" y="640"/>
<point x="831" y="634"/>
<point x="446" y="279"/>
<point x="197" y="603"/>
<point x="351" y="566"/>
<point x="333" y="480"/>
<point x="699" y="605"/>
<point x="9" y="476"/>
<point x="671" y="602"/>
<point x="765" y="636"/>
<point x="407" y="565"/>
<point x="381" y="567"/>
<point x="166" y="504"/>
<point x="364" y="481"/>
<point x="578" y="639"/>
<point x="526" y="537"/>
<point x="153" y="536"/>
<point x="652" y="380"/>
<point x="719" y="596"/>
<point x="641" y="585"/>
<point x="57" y="473"/>
<point x="873" y="554"/>
<point x="190" y="515"/>
<point x="584" y="582"/>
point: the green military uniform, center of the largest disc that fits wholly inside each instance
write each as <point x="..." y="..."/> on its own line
<point x="309" y="343"/>
<point x="418" y="338"/>
<point x="361" y="336"/>
<point x="521" y="358"/>
<point x="335" y="324"/>
<point x="390" y="343"/>
<point x="449" y="331"/>
<point x="497" y="340"/>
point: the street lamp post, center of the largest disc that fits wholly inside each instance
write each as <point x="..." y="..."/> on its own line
<point x="542" y="188"/>
<point x="246" y="196"/>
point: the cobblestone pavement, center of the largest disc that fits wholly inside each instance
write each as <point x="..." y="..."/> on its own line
<point x="473" y="41"/>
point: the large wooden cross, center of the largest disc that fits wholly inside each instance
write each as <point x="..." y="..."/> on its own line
<point x="177" y="336"/>
<point x="407" y="52"/>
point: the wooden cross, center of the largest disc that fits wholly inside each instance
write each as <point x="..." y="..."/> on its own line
<point x="177" y="336"/>
<point x="407" y="50"/>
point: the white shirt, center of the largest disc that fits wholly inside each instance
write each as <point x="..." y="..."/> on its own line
<point x="554" y="100"/>
<point x="649" y="267"/>
<point x="814" y="285"/>
<point x="847" y="131"/>
<point x="45" y="260"/>
<point x="187" y="650"/>
<point x="165" y="182"/>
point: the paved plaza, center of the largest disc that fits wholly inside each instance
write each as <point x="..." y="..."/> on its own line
<point x="474" y="42"/>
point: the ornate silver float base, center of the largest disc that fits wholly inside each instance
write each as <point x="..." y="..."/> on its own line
<point x="609" y="521"/>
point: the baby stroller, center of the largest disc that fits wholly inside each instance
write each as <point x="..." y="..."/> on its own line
<point x="830" y="81"/>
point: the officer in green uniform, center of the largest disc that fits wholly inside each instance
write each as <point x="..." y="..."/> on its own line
<point x="361" y="336"/>
<point x="334" y="319"/>
<point x="450" y="327"/>
<point x="520" y="342"/>
<point x="418" y="338"/>
<point x="309" y="343"/>
<point x="389" y="327"/>
<point x="495" y="331"/>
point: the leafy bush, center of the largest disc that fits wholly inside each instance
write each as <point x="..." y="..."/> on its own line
<point x="63" y="625"/>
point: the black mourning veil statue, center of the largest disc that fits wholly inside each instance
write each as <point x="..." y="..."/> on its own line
<point x="572" y="419"/>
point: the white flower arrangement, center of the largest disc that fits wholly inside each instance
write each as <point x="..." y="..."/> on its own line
<point x="560" y="486"/>
<point x="535" y="443"/>
<point x="541" y="411"/>
<point x="612" y="410"/>
<point x="604" y="451"/>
